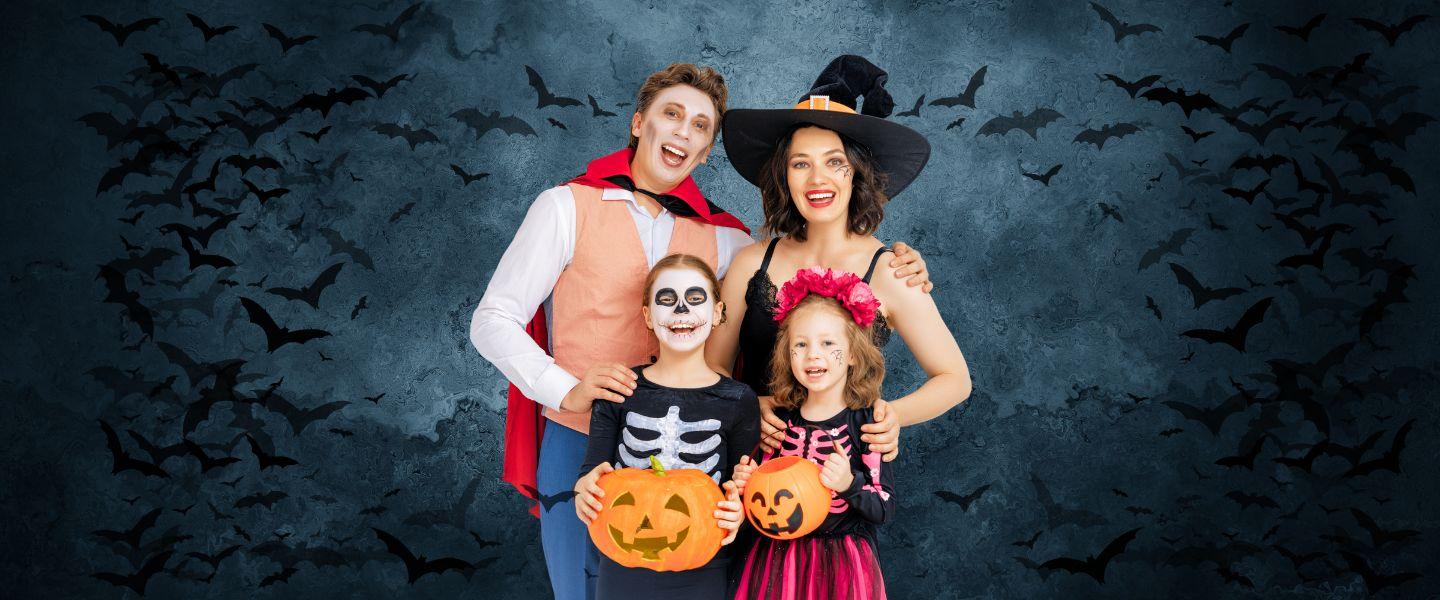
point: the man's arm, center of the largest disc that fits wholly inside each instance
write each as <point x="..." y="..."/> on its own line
<point x="523" y="279"/>
<point x="728" y="242"/>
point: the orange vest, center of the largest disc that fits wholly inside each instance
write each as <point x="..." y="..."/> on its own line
<point x="596" y="301"/>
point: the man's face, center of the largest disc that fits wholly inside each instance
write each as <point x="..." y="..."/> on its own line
<point x="681" y="310"/>
<point x="674" y="136"/>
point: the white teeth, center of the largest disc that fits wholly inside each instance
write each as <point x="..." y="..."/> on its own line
<point x="674" y="150"/>
<point x="821" y="195"/>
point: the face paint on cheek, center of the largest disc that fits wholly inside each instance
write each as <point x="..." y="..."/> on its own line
<point x="838" y="355"/>
<point x="844" y="171"/>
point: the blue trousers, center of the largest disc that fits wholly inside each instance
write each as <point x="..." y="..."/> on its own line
<point x="570" y="557"/>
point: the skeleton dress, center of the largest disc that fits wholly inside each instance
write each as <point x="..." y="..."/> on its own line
<point x="707" y="428"/>
<point x="838" y="560"/>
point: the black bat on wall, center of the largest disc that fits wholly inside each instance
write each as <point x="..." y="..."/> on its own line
<point x="275" y="335"/>
<point x="1187" y="102"/>
<point x="286" y="42"/>
<point x="484" y="122"/>
<point x="1303" y="32"/>
<point x="1391" y="33"/>
<point x="310" y="293"/>
<point x="205" y="28"/>
<point x="1224" y="43"/>
<point x="967" y="97"/>
<point x="380" y="87"/>
<point x="1028" y="123"/>
<point x="1236" y="335"/>
<point x="391" y="29"/>
<point x="1122" y="28"/>
<point x="1093" y="565"/>
<point x="547" y="98"/>
<point x="419" y="566"/>
<point x="122" y="32"/>
<point x="1130" y="87"/>
<point x="1107" y="132"/>
<point x="413" y="137"/>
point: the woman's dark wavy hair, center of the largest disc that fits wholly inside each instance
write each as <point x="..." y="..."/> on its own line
<point x="867" y="196"/>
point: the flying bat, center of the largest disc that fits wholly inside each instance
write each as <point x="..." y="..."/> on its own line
<point x="300" y="418"/>
<point x="411" y="136"/>
<point x="286" y="42"/>
<point x="122" y="461"/>
<point x="484" y="122"/>
<point x="1187" y="102"/>
<point x="391" y="29"/>
<point x="266" y="459"/>
<point x="914" y="112"/>
<point x="310" y="293"/>
<point x="967" y="97"/>
<point x="596" y="111"/>
<point x="1224" y="43"/>
<point x="964" y="501"/>
<point x="466" y="177"/>
<point x="1173" y="245"/>
<point x="1198" y="291"/>
<point x="117" y="291"/>
<point x="1234" y="336"/>
<point x="1130" y="87"/>
<point x="123" y="32"/>
<point x="1121" y="28"/>
<point x="266" y="499"/>
<point x="324" y="102"/>
<point x="547" y="98"/>
<point x="548" y="501"/>
<point x="1093" y="565"/>
<point x="275" y="335"/>
<point x="1303" y="32"/>
<point x="1042" y="177"/>
<point x="1391" y="33"/>
<point x="136" y="581"/>
<point x="419" y="566"/>
<point x="380" y="87"/>
<point x="206" y="30"/>
<point x="1100" y="136"/>
<point x="1028" y="123"/>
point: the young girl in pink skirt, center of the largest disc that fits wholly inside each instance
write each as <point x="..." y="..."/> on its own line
<point x="825" y="375"/>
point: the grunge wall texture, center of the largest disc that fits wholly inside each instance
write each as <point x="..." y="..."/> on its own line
<point x="1302" y="466"/>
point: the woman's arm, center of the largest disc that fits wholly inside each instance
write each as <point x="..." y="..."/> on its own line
<point x="724" y="342"/>
<point x="917" y="319"/>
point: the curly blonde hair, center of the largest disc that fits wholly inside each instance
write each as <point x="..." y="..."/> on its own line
<point x="862" y="381"/>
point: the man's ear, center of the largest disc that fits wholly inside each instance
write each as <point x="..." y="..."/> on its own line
<point x="706" y="154"/>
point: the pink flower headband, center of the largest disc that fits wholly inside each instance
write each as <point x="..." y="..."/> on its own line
<point x="846" y="287"/>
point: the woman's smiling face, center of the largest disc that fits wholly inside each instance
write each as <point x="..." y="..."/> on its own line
<point x="819" y="175"/>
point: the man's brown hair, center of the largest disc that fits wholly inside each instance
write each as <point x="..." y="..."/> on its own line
<point x="705" y="79"/>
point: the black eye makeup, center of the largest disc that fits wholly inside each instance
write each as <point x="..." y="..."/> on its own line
<point x="696" y="295"/>
<point x="666" y="297"/>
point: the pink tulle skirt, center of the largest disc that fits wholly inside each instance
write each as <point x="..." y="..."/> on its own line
<point x="812" y="568"/>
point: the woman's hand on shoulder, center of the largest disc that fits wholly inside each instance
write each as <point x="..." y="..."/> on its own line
<point x="883" y="435"/>
<point x="908" y="264"/>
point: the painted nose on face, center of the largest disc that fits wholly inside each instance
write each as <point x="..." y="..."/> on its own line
<point x="681" y="309"/>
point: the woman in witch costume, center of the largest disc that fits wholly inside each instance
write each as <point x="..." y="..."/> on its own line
<point x="825" y="173"/>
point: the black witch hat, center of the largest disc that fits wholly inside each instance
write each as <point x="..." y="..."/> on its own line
<point x="751" y="135"/>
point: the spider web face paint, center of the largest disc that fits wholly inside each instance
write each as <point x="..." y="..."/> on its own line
<point x="682" y="308"/>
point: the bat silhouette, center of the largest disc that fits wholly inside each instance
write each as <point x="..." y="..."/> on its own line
<point x="359" y="306"/>
<point x="1196" y="136"/>
<point x="136" y="581"/>
<point x="340" y="245"/>
<point x="391" y="29"/>
<point x="1314" y="259"/>
<point x="967" y="97"/>
<point x="206" y="30"/>
<point x="1224" y="43"/>
<point x="419" y="566"/>
<point x="1372" y="164"/>
<point x="914" y="112"/>
<point x="266" y="499"/>
<point x="403" y="211"/>
<point x="1198" y="291"/>
<point x="1099" y="136"/>
<point x="252" y="161"/>
<point x="132" y="536"/>
<point x="1187" y="102"/>
<point x="118" y="292"/>
<point x="380" y="87"/>
<point x="1390" y="460"/>
<point x="264" y="196"/>
<point x="1212" y="418"/>
<point x="1057" y="514"/>
<point x="281" y="577"/>
<point x="956" y="123"/>
<point x="1130" y="87"/>
<point x="411" y="136"/>
<point x="1374" y="581"/>
<point x="122" y="461"/>
<point x="1247" y="459"/>
<point x="1042" y="177"/>
<point x="266" y="459"/>
<point x="324" y="102"/>
<point x="376" y="510"/>
<point x="206" y="462"/>
<point x="547" y="98"/>
<point x="310" y="293"/>
<point x="1122" y="29"/>
<point x="286" y="42"/>
<point x="1303" y="31"/>
<point x="275" y="335"/>
<point x="316" y="135"/>
<point x="1391" y="33"/>
<point x="1030" y="543"/>
<point x="252" y="131"/>
<point x="123" y="32"/>
<point x="1029" y="123"/>
<point x="548" y="502"/>
<point x="1247" y="195"/>
<point x="1093" y="565"/>
<point x="1379" y="536"/>
<point x="554" y="123"/>
<point x="964" y="501"/>
<point x="484" y="122"/>
<point x="1154" y="308"/>
<point x="466" y="177"/>
<point x="1234" y="336"/>
<point x="300" y="418"/>
<point x="203" y="234"/>
<point x="1261" y="161"/>
<point x="1173" y="245"/>
<point x="595" y="110"/>
<point x="1262" y="131"/>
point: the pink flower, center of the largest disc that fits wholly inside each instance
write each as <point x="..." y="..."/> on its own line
<point x="847" y="288"/>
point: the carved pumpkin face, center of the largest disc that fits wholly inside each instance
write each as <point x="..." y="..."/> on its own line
<point x="657" y="519"/>
<point x="784" y="498"/>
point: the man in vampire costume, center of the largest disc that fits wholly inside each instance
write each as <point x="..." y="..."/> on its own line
<point x="561" y="315"/>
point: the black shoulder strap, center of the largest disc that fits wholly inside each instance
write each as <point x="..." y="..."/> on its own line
<point x="873" y="260"/>
<point x="769" y="251"/>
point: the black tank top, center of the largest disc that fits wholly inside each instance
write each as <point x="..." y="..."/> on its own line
<point x="758" y="329"/>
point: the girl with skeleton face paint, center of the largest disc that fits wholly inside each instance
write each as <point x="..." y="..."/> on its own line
<point x="683" y="414"/>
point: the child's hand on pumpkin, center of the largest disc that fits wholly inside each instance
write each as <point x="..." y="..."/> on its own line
<point x="729" y="513"/>
<point x="741" y="473"/>
<point x="588" y="493"/>
<point x="835" y="474"/>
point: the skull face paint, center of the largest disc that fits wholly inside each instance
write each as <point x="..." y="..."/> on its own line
<point x="682" y="308"/>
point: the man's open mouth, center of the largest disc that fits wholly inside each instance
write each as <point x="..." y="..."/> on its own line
<point x="673" y="156"/>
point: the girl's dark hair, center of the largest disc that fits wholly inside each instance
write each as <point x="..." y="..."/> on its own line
<point x="867" y="196"/>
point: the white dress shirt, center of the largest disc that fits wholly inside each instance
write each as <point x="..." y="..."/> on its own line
<point x="527" y="272"/>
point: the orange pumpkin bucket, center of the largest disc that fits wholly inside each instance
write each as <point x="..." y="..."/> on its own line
<point x="784" y="498"/>
<point x="657" y="519"/>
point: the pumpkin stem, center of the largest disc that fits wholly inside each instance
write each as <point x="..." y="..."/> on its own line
<point x="655" y="464"/>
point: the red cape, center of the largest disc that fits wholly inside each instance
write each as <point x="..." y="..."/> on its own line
<point x="524" y="421"/>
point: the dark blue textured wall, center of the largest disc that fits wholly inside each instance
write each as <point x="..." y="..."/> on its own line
<point x="1093" y="414"/>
